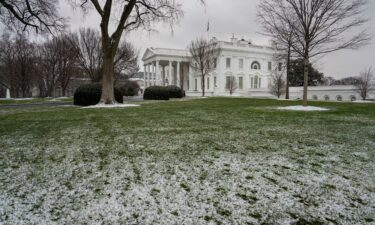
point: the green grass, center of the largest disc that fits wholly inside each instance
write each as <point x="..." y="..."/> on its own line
<point x="223" y="160"/>
<point x="33" y="101"/>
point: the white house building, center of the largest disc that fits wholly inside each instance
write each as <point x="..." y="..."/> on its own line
<point x="250" y="64"/>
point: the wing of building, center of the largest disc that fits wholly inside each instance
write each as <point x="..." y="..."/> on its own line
<point x="250" y="65"/>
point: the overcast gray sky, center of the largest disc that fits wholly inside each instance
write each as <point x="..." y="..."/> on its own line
<point x="237" y="17"/>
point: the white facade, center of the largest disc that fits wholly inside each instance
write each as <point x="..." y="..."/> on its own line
<point x="251" y="65"/>
<point x="329" y="93"/>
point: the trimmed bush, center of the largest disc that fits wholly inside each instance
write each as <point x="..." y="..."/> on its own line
<point x="175" y="92"/>
<point x="130" y="88"/>
<point x="156" y="93"/>
<point x="89" y="94"/>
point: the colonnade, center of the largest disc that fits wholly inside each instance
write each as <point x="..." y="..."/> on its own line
<point x="156" y="74"/>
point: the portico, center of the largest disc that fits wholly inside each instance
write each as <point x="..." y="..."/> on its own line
<point x="165" y="67"/>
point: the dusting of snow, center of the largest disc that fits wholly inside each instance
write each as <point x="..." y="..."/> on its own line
<point x="128" y="170"/>
<point x="17" y="99"/>
<point x="363" y="101"/>
<point x="303" y="108"/>
<point x="106" y="106"/>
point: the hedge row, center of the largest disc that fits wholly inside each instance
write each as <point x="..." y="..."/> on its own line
<point x="163" y="93"/>
<point x="89" y="94"/>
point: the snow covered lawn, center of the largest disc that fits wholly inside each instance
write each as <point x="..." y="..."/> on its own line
<point x="302" y="108"/>
<point x="207" y="161"/>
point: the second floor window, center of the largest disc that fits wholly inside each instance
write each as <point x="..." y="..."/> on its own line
<point x="228" y="63"/>
<point x="269" y="66"/>
<point x="241" y="64"/>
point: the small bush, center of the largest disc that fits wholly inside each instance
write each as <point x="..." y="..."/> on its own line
<point x="156" y="93"/>
<point x="130" y="88"/>
<point x="89" y="94"/>
<point x="175" y="92"/>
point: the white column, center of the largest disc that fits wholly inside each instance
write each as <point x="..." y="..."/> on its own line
<point x="8" y="94"/>
<point x="149" y="75"/>
<point x="178" y="74"/>
<point x="191" y="78"/>
<point x="170" y="73"/>
<point x="145" y="74"/>
<point x="158" y="75"/>
<point x="153" y="73"/>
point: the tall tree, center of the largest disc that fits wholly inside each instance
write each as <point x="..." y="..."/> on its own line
<point x="126" y="60"/>
<point x="40" y="15"/>
<point x="53" y="62"/>
<point x="322" y="26"/>
<point x="281" y="33"/>
<point x="67" y="60"/>
<point x="133" y="14"/>
<point x="365" y="83"/>
<point x="204" y="54"/>
<point x="17" y="65"/>
<point x="90" y="57"/>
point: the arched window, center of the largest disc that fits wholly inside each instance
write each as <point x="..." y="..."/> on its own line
<point x="255" y="65"/>
<point x="339" y="98"/>
<point x="353" y="98"/>
<point x="326" y="97"/>
<point x="315" y="97"/>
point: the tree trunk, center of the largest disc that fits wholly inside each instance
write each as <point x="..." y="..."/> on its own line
<point x="287" y="74"/>
<point x="306" y="80"/>
<point x="107" y="80"/>
<point x="203" y="85"/>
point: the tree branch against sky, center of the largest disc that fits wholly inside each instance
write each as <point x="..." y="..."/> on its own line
<point x="204" y="54"/>
<point x="322" y="26"/>
<point x="281" y="33"/>
<point x="39" y="15"/>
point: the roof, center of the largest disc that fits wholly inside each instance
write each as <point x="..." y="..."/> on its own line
<point x="150" y="52"/>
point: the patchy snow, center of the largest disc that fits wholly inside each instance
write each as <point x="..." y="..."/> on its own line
<point x="173" y="169"/>
<point x="363" y="101"/>
<point x="17" y="99"/>
<point x="303" y="108"/>
<point x="104" y="106"/>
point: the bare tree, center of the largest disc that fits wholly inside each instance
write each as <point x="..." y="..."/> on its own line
<point x="204" y="55"/>
<point x="90" y="57"/>
<point x="231" y="84"/>
<point x="17" y="65"/>
<point x="281" y="33"/>
<point x="58" y="63"/>
<point x="40" y="15"/>
<point x="6" y="61"/>
<point x="133" y="14"/>
<point x="321" y="27"/>
<point x="278" y="84"/>
<point x="365" y="83"/>
<point x="67" y="60"/>
<point x="126" y="60"/>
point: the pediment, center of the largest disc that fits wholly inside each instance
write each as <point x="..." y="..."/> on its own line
<point x="148" y="54"/>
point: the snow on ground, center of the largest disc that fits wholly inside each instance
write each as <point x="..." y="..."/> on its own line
<point x="302" y="108"/>
<point x="102" y="106"/>
<point x="17" y="99"/>
<point x="171" y="168"/>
